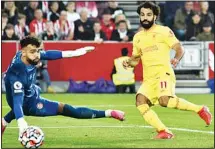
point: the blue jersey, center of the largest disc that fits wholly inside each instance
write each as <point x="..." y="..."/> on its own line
<point x="20" y="78"/>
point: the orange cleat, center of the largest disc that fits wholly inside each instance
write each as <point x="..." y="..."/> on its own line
<point x="164" y="135"/>
<point x="205" y="114"/>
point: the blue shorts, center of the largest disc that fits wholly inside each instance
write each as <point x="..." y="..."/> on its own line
<point x="40" y="107"/>
<point x="35" y="105"/>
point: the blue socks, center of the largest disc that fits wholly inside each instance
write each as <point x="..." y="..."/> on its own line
<point x="9" y="117"/>
<point x="81" y="112"/>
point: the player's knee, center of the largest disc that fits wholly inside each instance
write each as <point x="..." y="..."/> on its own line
<point x="163" y="101"/>
<point x="141" y="99"/>
<point x="60" y="107"/>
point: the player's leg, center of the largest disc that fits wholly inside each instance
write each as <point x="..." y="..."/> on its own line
<point x="132" y="88"/>
<point x="6" y="120"/>
<point x="146" y="97"/>
<point x="10" y="115"/>
<point x="88" y="113"/>
<point x="44" y="107"/>
<point x="143" y="105"/>
<point x="46" y="78"/>
<point x="182" y="104"/>
<point x="124" y="88"/>
<point x="121" y="88"/>
<point x="168" y="99"/>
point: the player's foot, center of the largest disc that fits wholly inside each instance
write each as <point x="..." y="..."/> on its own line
<point x="50" y="90"/>
<point x="164" y="135"/>
<point x="205" y="114"/>
<point x="120" y="115"/>
<point x="2" y="128"/>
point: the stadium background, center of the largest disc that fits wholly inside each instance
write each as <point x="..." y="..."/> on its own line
<point x="195" y="75"/>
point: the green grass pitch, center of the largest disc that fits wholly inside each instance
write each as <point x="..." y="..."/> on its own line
<point x="65" y="132"/>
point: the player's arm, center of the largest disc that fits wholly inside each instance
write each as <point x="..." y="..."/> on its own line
<point x="135" y="58"/>
<point x="178" y="55"/>
<point x="18" y="97"/>
<point x="57" y="54"/>
<point x="132" y="61"/>
<point x="174" y="44"/>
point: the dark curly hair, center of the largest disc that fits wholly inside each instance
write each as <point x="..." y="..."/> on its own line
<point x="30" y="40"/>
<point x="151" y="5"/>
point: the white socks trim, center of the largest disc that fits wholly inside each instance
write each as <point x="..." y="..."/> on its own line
<point x="108" y="113"/>
<point x="4" y="123"/>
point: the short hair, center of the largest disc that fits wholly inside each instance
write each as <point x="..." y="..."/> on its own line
<point x="83" y="9"/>
<point x="63" y="12"/>
<point x="195" y="13"/>
<point x="69" y="3"/>
<point x="121" y="21"/>
<point x="30" y="40"/>
<point x="207" y="24"/>
<point x="96" y="21"/>
<point x="124" y="51"/>
<point x="4" y="15"/>
<point x="9" y="26"/>
<point x="21" y="16"/>
<point x="38" y="10"/>
<point x="49" y="22"/>
<point x="155" y="8"/>
<point x="106" y="12"/>
<point x="52" y="3"/>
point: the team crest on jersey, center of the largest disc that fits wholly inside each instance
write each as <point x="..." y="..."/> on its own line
<point x="39" y="105"/>
<point x="17" y="87"/>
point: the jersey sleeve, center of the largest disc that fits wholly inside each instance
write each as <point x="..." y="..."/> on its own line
<point x="170" y="38"/>
<point x="17" y="95"/>
<point x="136" y="51"/>
<point x="50" y="55"/>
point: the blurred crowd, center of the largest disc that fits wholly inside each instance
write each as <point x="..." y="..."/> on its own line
<point x="100" y="21"/>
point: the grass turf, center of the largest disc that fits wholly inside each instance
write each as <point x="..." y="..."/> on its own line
<point x="65" y="132"/>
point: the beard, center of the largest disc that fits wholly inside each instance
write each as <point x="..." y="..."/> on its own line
<point x="32" y="62"/>
<point x="148" y="25"/>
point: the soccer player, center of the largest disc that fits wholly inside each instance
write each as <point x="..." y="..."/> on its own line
<point x="23" y="96"/>
<point x="152" y="45"/>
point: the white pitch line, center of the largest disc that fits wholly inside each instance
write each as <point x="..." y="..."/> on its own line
<point x="6" y="107"/>
<point x="125" y="126"/>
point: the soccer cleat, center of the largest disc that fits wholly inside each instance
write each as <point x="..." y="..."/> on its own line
<point x="2" y="128"/>
<point x="205" y="114"/>
<point x="164" y="135"/>
<point x="120" y="115"/>
<point x="50" y="90"/>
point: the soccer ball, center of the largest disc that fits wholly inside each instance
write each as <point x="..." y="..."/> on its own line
<point x="32" y="137"/>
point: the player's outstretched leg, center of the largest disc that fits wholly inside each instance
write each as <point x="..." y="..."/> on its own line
<point x="45" y="107"/>
<point x="151" y="117"/>
<point x="182" y="104"/>
<point x="6" y="120"/>
<point x="87" y="113"/>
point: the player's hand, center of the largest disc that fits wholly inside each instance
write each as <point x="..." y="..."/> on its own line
<point x="89" y="48"/>
<point x="39" y="65"/>
<point x="174" y="62"/>
<point x="81" y="28"/>
<point x="77" y="52"/>
<point x="84" y="50"/>
<point x="126" y="63"/>
<point x="22" y="124"/>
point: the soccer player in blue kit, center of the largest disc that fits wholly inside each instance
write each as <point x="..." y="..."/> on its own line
<point x="23" y="96"/>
